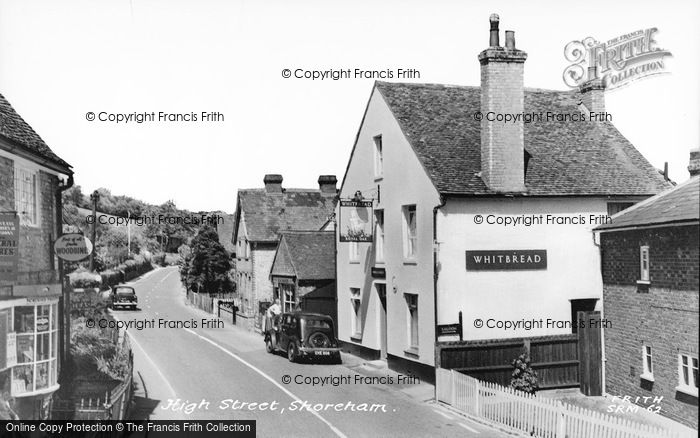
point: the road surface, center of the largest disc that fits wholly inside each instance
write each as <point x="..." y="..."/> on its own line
<point x="224" y="372"/>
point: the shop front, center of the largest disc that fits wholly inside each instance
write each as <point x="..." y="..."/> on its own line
<point x="30" y="374"/>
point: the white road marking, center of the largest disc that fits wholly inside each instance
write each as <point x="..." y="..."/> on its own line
<point x="270" y="379"/>
<point x="158" y="371"/>
<point x="468" y="428"/>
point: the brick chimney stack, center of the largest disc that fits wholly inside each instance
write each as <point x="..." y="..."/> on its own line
<point x="694" y="165"/>
<point x="273" y="183"/>
<point x="502" y="145"/>
<point x="593" y="91"/>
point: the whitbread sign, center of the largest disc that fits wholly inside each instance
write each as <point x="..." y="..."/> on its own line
<point x="73" y="247"/>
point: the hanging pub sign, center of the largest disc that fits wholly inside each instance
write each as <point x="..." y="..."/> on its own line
<point x="356" y="221"/>
<point x="9" y="252"/>
<point x="507" y="260"/>
<point x="72" y="247"/>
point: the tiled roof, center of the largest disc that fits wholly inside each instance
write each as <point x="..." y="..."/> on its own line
<point x="269" y="214"/>
<point x="14" y="128"/>
<point x="308" y="255"/>
<point x="678" y="205"/>
<point x="225" y="231"/>
<point x="568" y="158"/>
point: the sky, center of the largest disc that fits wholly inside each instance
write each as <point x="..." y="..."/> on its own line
<point x="61" y="60"/>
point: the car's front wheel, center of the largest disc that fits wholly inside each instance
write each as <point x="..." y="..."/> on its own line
<point x="292" y="352"/>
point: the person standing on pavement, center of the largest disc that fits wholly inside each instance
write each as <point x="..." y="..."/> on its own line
<point x="272" y="311"/>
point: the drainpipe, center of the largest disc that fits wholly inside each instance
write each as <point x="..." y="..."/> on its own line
<point x="435" y="275"/>
<point x="597" y="238"/>
<point x="64" y="302"/>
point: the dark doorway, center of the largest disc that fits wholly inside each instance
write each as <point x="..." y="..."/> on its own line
<point x="580" y="305"/>
<point x="381" y="292"/>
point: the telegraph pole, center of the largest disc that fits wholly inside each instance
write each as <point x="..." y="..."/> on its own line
<point x="94" y="197"/>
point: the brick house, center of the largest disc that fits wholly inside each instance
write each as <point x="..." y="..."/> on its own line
<point x="443" y="175"/>
<point x="261" y="216"/>
<point x="32" y="178"/>
<point x="303" y="272"/>
<point x="650" y="295"/>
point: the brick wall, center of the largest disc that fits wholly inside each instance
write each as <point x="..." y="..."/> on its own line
<point x="35" y="250"/>
<point x="673" y="256"/>
<point x="664" y="318"/>
<point x="502" y="162"/>
<point x="263" y="256"/>
<point x="7" y="184"/>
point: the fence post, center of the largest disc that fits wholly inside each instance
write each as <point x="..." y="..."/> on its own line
<point x="438" y="375"/>
<point x="561" y="421"/>
<point x="477" y="397"/>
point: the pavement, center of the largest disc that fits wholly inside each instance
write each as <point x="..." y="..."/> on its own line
<point x="619" y="408"/>
<point x="212" y="369"/>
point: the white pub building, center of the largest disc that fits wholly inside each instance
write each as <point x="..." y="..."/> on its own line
<point x="486" y="218"/>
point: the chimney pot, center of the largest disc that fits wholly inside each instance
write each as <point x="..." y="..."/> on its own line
<point x="327" y="184"/>
<point x="694" y="165"/>
<point x="273" y="183"/>
<point x="493" y="35"/>
<point x="510" y="40"/>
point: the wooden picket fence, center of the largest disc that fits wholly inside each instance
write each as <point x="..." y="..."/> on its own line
<point x="536" y="416"/>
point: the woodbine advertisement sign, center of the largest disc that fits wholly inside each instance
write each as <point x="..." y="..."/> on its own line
<point x="73" y="247"/>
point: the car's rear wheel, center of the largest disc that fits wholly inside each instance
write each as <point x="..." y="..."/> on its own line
<point x="292" y="352"/>
<point x="319" y="340"/>
<point x="268" y="346"/>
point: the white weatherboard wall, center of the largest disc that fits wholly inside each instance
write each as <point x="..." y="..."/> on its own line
<point x="573" y="264"/>
<point x="404" y="182"/>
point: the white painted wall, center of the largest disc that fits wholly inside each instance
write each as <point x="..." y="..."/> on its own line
<point x="404" y="182"/>
<point x="573" y="264"/>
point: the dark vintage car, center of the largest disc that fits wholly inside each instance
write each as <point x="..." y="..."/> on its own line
<point x="303" y="336"/>
<point x="123" y="296"/>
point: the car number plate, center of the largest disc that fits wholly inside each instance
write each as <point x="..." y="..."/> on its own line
<point x="323" y="353"/>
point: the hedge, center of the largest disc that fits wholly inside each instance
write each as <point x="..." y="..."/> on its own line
<point x="119" y="274"/>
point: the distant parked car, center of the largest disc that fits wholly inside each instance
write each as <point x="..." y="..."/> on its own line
<point x="303" y="336"/>
<point x="123" y="296"/>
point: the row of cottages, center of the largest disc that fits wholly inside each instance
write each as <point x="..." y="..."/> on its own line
<point x="262" y="217"/>
<point x="440" y="179"/>
<point x="650" y="269"/>
<point x="32" y="178"/>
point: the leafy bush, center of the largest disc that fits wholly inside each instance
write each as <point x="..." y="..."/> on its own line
<point x="159" y="259"/>
<point x="172" y="259"/>
<point x="524" y="378"/>
<point x="116" y="366"/>
<point x="88" y="345"/>
<point x="111" y="278"/>
<point x="85" y="279"/>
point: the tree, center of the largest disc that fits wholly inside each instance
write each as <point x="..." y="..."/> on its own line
<point x="74" y="196"/>
<point x="207" y="268"/>
<point x="524" y="378"/>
